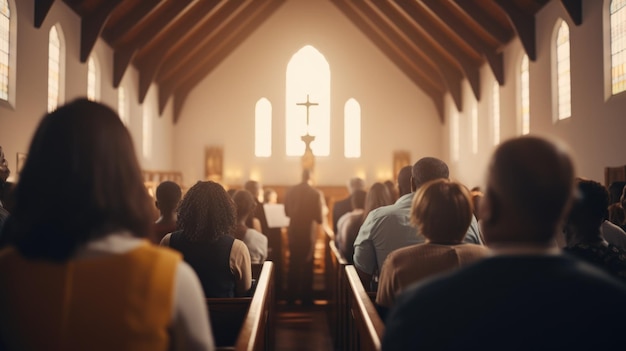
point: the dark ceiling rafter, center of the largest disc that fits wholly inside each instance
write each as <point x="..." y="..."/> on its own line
<point x="575" y="10"/>
<point x="469" y="63"/>
<point x="151" y="58"/>
<point x="221" y="52"/>
<point x="405" y="63"/>
<point x="437" y="44"/>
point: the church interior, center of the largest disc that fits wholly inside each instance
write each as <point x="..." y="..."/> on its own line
<point x="228" y="90"/>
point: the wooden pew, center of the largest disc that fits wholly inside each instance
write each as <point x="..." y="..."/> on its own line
<point x="365" y="326"/>
<point x="338" y="295"/>
<point x="246" y="323"/>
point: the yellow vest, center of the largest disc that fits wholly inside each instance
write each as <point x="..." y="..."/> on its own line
<point x="113" y="302"/>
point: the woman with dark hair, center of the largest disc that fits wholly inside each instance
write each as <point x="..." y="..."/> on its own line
<point x="442" y="212"/>
<point x="254" y="240"/>
<point x="79" y="274"/>
<point x="206" y="221"/>
<point x="377" y="196"/>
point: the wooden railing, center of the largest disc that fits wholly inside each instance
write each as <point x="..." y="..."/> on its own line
<point x="246" y="323"/>
<point x="365" y="326"/>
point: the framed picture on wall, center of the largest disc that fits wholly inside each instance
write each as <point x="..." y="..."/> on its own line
<point x="19" y="164"/>
<point x="214" y="160"/>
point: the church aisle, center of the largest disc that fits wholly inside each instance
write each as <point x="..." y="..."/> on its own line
<point x="302" y="328"/>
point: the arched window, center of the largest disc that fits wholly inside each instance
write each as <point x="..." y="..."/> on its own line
<point x="454" y="134"/>
<point x="56" y="64"/>
<point x="352" y="129"/>
<point x="308" y="77"/>
<point x="122" y="108"/>
<point x="475" y="128"/>
<point x="495" y="113"/>
<point x="524" y="111"/>
<point x="93" y="79"/>
<point x="263" y="128"/>
<point x="617" y="12"/>
<point x="146" y="144"/>
<point x="564" y="85"/>
<point x="8" y="28"/>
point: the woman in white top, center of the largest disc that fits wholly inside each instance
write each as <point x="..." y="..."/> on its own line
<point x="254" y="240"/>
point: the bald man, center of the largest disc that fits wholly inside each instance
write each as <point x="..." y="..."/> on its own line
<point x="528" y="295"/>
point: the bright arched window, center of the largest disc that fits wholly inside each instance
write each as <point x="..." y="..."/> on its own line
<point x="93" y="79"/>
<point x="564" y="84"/>
<point x="617" y="13"/>
<point x="146" y="144"/>
<point x="454" y="134"/>
<point x="55" y="69"/>
<point x="7" y="50"/>
<point x="495" y="113"/>
<point x="122" y="107"/>
<point x="524" y="110"/>
<point x="308" y="83"/>
<point x="263" y="128"/>
<point x="352" y="129"/>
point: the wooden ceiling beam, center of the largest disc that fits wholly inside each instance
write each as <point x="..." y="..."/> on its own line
<point x="404" y="31"/>
<point x="493" y="28"/>
<point x="91" y="27"/>
<point x="150" y="58"/>
<point x="433" y="89"/>
<point x="524" y="24"/>
<point x="446" y="16"/>
<point x="42" y="7"/>
<point x="420" y="18"/>
<point x="235" y="33"/>
<point x="129" y="20"/>
<point x="575" y="10"/>
<point x="141" y="34"/>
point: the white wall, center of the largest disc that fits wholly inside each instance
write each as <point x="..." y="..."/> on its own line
<point x="396" y="114"/>
<point x="18" y="123"/>
<point x="594" y="133"/>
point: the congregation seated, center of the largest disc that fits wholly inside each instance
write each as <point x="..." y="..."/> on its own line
<point x="583" y="234"/>
<point x="343" y="238"/>
<point x="344" y="206"/>
<point x="528" y="295"/>
<point x="377" y="196"/>
<point x="4" y="174"/>
<point x="168" y="196"/>
<point x="442" y="212"/>
<point x="80" y="274"/>
<point x="255" y="241"/>
<point x="206" y="218"/>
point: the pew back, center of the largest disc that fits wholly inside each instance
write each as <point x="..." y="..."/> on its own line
<point x="365" y="325"/>
<point x="338" y="296"/>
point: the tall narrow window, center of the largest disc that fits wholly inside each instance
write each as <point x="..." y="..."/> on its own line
<point x="122" y="108"/>
<point x="352" y="129"/>
<point x="146" y="145"/>
<point x="263" y="128"/>
<point x="475" y="128"/>
<point x="563" y="72"/>
<point x="524" y="96"/>
<point x="93" y="79"/>
<point x="5" y="48"/>
<point x="454" y="134"/>
<point x="495" y="113"/>
<point x="618" y="45"/>
<point x="54" y="69"/>
<point x="308" y="89"/>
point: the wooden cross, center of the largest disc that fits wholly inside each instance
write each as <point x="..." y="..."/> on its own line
<point x="307" y="104"/>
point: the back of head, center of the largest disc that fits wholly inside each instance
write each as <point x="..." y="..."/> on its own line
<point x="529" y="187"/>
<point x="615" y="191"/>
<point x="377" y="196"/>
<point x="404" y="180"/>
<point x="442" y="211"/>
<point x="427" y="169"/>
<point x="355" y="184"/>
<point x="168" y="195"/>
<point x="245" y="204"/>
<point x="81" y="181"/>
<point x="306" y="175"/>
<point x="253" y="187"/>
<point x="270" y="196"/>
<point x="357" y="199"/>
<point x="206" y="212"/>
<point x="617" y="215"/>
<point x="589" y="207"/>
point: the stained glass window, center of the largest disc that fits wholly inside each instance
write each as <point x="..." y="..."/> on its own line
<point x="92" y="79"/>
<point x="525" y="96"/>
<point x="495" y="113"/>
<point x="352" y="129"/>
<point x="563" y="72"/>
<point x="54" y="69"/>
<point x="618" y="45"/>
<point x="5" y="37"/>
